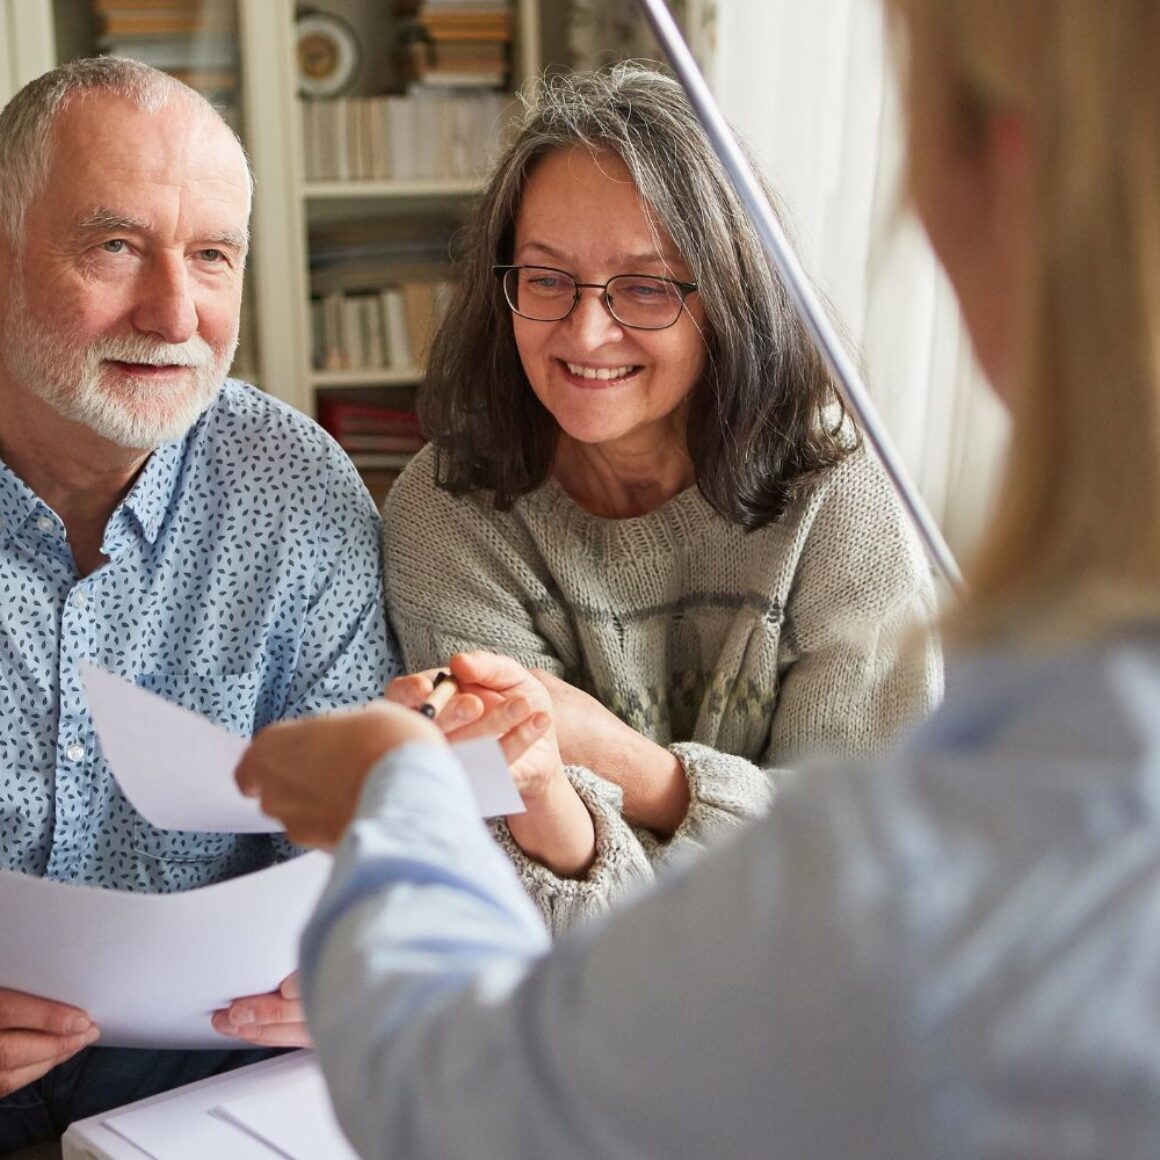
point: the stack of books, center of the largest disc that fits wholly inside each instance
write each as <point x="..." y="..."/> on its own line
<point x="426" y="135"/>
<point x="195" y="42"/>
<point x="460" y="43"/>
<point x="375" y="437"/>
<point x="385" y="329"/>
<point x="378" y="289"/>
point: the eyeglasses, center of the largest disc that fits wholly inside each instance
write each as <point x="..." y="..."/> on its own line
<point x="639" y="301"/>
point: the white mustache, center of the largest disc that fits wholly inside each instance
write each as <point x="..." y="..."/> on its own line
<point x="193" y="353"/>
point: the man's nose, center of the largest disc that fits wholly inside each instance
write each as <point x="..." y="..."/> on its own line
<point x="166" y="306"/>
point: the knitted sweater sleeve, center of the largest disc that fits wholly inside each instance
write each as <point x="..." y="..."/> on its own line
<point x="858" y="661"/>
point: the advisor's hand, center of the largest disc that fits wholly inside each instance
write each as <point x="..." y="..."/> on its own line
<point x="309" y="773"/>
<point x="35" y="1035"/>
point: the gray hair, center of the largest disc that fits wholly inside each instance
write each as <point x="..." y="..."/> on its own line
<point x="28" y="120"/>
<point x="762" y="420"/>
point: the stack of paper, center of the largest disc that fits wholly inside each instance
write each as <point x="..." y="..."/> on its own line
<point x="276" y="1108"/>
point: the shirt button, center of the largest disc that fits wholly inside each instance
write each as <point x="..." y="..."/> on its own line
<point x="75" y="752"/>
<point x="45" y="524"/>
<point x="80" y="599"/>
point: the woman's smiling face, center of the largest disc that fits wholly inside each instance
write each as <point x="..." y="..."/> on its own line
<point x="606" y="384"/>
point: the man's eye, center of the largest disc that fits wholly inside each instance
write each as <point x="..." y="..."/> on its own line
<point x="114" y="246"/>
<point x="211" y="255"/>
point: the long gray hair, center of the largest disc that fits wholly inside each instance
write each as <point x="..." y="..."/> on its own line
<point x="763" y="421"/>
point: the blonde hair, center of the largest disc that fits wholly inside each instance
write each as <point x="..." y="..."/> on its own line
<point x="1074" y="546"/>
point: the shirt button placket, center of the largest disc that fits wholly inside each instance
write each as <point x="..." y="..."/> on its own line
<point x="74" y="769"/>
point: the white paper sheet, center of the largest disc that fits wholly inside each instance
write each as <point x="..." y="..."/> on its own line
<point x="295" y="1116"/>
<point x="142" y="733"/>
<point x="150" y="968"/>
<point x="189" y="1123"/>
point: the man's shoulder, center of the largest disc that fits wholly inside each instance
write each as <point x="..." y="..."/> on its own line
<point x="240" y="410"/>
<point x="252" y="438"/>
<point x="249" y="426"/>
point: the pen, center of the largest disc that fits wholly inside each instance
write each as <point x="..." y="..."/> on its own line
<point x="443" y="688"/>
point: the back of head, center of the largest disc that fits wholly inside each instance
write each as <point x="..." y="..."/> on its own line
<point x="1078" y="529"/>
<point x="756" y="431"/>
<point x="27" y="122"/>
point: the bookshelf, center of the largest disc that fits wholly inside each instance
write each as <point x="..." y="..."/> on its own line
<point x="374" y="209"/>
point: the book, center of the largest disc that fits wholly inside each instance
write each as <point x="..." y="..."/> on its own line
<point x="398" y="337"/>
<point x="381" y="443"/>
<point x="343" y="419"/>
<point x="128" y="24"/>
<point x="182" y="52"/>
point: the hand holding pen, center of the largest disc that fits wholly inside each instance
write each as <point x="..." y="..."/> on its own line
<point x="481" y="694"/>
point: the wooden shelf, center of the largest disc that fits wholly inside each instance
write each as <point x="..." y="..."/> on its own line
<point x="450" y="188"/>
<point x="368" y="377"/>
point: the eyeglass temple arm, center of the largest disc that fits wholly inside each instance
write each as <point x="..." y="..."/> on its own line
<point x="781" y="253"/>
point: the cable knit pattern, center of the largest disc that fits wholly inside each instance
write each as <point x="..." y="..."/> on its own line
<point x="739" y="651"/>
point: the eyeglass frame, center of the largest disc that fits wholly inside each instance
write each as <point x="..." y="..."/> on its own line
<point x="686" y="288"/>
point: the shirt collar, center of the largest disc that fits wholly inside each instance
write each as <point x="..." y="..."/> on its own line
<point x="17" y="503"/>
<point x="147" y="503"/>
<point x="151" y="494"/>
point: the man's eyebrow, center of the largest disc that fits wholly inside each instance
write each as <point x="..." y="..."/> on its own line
<point x="108" y="220"/>
<point x="239" y="239"/>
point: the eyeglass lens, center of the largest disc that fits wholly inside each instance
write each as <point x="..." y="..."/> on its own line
<point x="634" y="299"/>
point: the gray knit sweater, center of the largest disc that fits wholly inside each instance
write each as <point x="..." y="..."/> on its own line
<point x="739" y="651"/>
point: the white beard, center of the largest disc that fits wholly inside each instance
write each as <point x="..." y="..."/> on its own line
<point x="69" y="377"/>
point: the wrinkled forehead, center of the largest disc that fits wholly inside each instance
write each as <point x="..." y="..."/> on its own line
<point x="101" y="139"/>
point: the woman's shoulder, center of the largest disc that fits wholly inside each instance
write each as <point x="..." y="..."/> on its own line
<point x="418" y="507"/>
<point x="856" y="488"/>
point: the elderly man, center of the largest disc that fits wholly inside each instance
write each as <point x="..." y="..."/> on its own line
<point x="156" y="518"/>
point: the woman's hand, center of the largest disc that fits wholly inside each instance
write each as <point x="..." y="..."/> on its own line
<point x="656" y="791"/>
<point x="495" y="693"/>
<point x="309" y="773"/>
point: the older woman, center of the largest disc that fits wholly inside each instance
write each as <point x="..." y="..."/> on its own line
<point x="641" y="485"/>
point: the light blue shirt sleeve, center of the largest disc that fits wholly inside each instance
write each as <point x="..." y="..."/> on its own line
<point x="951" y="954"/>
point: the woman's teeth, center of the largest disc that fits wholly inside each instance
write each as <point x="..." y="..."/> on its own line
<point x="602" y="373"/>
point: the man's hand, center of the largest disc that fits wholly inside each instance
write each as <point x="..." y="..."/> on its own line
<point x="309" y="773"/>
<point x="35" y="1035"/>
<point x="273" y="1020"/>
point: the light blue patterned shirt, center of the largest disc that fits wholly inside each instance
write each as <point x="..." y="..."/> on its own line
<point x="243" y="582"/>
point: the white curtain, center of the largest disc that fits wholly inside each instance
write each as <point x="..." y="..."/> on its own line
<point x="808" y="84"/>
<point x="26" y="43"/>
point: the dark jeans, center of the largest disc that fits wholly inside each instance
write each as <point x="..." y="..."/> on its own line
<point x="99" y="1078"/>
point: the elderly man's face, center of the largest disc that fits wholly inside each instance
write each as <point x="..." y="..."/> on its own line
<point x="123" y="309"/>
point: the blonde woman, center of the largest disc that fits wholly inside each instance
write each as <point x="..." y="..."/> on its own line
<point x="950" y="952"/>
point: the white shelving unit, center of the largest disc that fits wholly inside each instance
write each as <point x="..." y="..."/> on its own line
<point x="286" y="203"/>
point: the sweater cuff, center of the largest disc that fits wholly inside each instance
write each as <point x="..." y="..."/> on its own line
<point x="725" y="792"/>
<point x="620" y="866"/>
